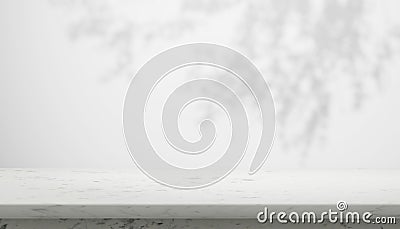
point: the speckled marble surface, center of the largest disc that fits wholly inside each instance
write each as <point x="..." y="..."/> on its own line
<point x="170" y="223"/>
<point x="66" y="193"/>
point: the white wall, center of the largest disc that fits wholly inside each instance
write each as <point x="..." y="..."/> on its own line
<point x="65" y="66"/>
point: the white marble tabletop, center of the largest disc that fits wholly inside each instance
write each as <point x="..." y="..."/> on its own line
<point x="69" y="193"/>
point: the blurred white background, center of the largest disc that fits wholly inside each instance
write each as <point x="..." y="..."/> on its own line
<point x="333" y="67"/>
